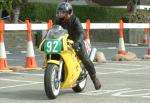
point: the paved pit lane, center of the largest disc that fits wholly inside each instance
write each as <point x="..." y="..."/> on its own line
<point x="122" y="82"/>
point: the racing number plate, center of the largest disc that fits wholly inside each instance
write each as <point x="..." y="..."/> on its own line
<point x="53" y="46"/>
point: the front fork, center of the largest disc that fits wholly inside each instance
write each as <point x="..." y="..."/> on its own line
<point x="60" y="70"/>
<point x="58" y="62"/>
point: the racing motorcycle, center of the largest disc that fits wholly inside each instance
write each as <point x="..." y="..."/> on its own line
<point x="63" y="68"/>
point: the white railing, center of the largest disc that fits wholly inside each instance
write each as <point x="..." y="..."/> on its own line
<point x="92" y="26"/>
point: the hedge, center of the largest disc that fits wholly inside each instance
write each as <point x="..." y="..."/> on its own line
<point x="39" y="12"/>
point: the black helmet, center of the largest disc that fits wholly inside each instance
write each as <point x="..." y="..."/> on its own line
<point x="65" y="7"/>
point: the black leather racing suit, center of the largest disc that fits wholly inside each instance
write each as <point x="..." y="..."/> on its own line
<point x="76" y="33"/>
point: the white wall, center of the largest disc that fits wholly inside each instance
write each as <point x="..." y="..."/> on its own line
<point x="138" y="7"/>
<point x="75" y="2"/>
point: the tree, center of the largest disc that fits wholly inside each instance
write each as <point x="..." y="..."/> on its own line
<point x="13" y="7"/>
<point x="132" y="6"/>
<point x="5" y="5"/>
<point x="16" y="5"/>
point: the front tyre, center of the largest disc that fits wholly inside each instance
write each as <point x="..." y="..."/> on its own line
<point x="51" y="81"/>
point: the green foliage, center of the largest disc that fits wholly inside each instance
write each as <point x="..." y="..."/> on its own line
<point x="18" y="3"/>
<point x="10" y="4"/>
<point x="99" y="14"/>
<point x="38" y="12"/>
<point x="42" y="12"/>
<point x="6" y="4"/>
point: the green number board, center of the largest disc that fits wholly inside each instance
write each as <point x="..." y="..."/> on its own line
<point x="53" y="46"/>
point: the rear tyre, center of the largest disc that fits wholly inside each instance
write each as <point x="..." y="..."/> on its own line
<point x="81" y="83"/>
<point x="80" y="86"/>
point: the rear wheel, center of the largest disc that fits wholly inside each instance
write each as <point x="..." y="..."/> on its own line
<point x="80" y="86"/>
<point x="81" y="82"/>
<point x="51" y="81"/>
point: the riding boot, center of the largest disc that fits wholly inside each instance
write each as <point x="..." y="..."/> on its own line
<point x="96" y="82"/>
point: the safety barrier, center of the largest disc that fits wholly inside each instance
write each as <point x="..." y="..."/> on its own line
<point x="34" y="26"/>
<point x="37" y="26"/>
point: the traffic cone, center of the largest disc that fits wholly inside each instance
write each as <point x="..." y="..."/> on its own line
<point x="122" y="54"/>
<point x="49" y="24"/>
<point x="145" y="41"/>
<point x="121" y="40"/>
<point x="148" y="49"/>
<point x="3" y="58"/>
<point x="30" y="57"/>
<point x="87" y="37"/>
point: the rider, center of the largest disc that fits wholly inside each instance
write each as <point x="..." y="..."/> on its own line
<point x="65" y="18"/>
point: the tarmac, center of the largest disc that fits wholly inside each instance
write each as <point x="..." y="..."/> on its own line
<point x="122" y="81"/>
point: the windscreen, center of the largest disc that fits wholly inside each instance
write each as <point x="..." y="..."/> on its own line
<point x="56" y="32"/>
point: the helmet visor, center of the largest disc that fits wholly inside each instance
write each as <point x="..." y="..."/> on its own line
<point x="61" y="13"/>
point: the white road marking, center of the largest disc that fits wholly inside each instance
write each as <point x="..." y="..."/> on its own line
<point x="138" y="73"/>
<point x="8" y="52"/>
<point x="126" y="93"/>
<point x="146" y="96"/>
<point x="136" y="61"/>
<point x="100" y="92"/>
<point x="21" y="85"/>
<point x="27" y="74"/>
<point x="23" y="52"/>
<point x="112" y="48"/>
<point x="13" y="59"/>
<point x="100" y="73"/>
<point x="13" y="80"/>
<point x="127" y="44"/>
<point x="119" y="69"/>
<point x="124" y="64"/>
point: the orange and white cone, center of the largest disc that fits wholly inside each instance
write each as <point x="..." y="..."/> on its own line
<point x="30" y="57"/>
<point x="49" y="24"/>
<point x="3" y="58"/>
<point x="87" y="37"/>
<point x="121" y="40"/>
<point x="92" y="52"/>
<point x="122" y="54"/>
<point x="145" y="41"/>
<point x="148" y="49"/>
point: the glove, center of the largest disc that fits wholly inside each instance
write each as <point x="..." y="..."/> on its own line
<point x="76" y="45"/>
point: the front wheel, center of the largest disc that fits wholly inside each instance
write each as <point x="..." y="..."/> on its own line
<point x="51" y="81"/>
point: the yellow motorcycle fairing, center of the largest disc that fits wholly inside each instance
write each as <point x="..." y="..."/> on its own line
<point x="54" y="61"/>
<point x="72" y="64"/>
<point x="71" y="69"/>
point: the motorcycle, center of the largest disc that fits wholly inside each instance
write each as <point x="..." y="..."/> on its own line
<point x="63" y="68"/>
